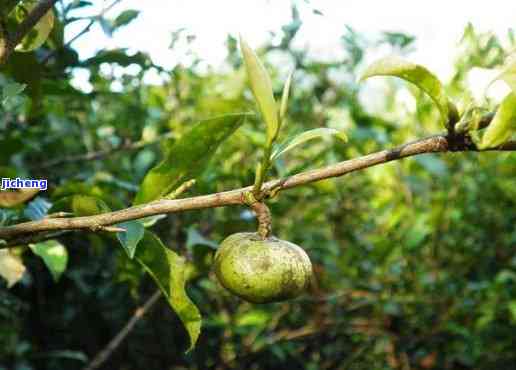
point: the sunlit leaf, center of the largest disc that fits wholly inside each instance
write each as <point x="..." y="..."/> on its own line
<point x="39" y="33"/>
<point x="188" y="156"/>
<point x="131" y="237"/>
<point x="306" y="136"/>
<point x="256" y="317"/>
<point x="168" y="270"/>
<point x="262" y="89"/>
<point x="284" y="98"/>
<point x="15" y="197"/>
<point x="508" y="74"/>
<point x="503" y="124"/>
<point x="54" y="255"/>
<point x="11" y="267"/>
<point x="151" y="220"/>
<point x="416" y="74"/>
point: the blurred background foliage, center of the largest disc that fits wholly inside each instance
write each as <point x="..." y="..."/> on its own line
<point x="415" y="260"/>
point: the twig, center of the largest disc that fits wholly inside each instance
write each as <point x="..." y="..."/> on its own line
<point x="185" y="186"/>
<point x="91" y="156"/>
<point x="103" y="355"/>
<point x="23" y="28"/>
<point x="26" y="239"/>
<point x="112" y="229"/>
<point x="433" y="144"/>
<point x="59" y="214"/>
<point x="84" y="31"/>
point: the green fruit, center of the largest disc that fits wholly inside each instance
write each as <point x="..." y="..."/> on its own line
<point x="262" y="270"/>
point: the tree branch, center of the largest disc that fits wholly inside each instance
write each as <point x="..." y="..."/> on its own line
<point x="91" y="156"/>
<point x="10" y="41"/>
<point x="81" y="33"/>
<point x="106" y="352"/>
<point x="432" y="144"/>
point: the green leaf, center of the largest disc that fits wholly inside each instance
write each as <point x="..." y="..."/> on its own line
<point x="54" y="255"/>
<point x="126" y="17"/>
<point x="284" y="98"/>
<point x="168" y="270"/>
<point x="151" y="220"/>
<point x="188" y="156"/>
<point x="85" y="205"/>
<point x="304" y="137"/>
<point x="503" y="124"/>
<point x="195" y="238"/>
<point x="10" y="90"/>
<point x="120" y="57"/>
<point x="508" y="74"/>
<point x="131" y="237"/>
<point x="262" y="89"/>
<point x="416" y="74"/>
<point x="39" y="33"/>
<point x="512" y="309"/>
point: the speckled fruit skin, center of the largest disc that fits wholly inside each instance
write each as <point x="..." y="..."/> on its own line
<point x="262" y="270"/>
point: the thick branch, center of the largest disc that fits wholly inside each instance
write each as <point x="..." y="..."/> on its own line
<point x="433" y="144"/>
<point x="23" y="28"/>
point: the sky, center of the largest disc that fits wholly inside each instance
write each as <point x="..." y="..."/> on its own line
<point x="437" y="25"/>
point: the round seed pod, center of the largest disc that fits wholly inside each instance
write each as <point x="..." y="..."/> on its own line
<point x="262" y="270"/>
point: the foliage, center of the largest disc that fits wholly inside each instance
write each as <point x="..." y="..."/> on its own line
<point x="414" y="260"/>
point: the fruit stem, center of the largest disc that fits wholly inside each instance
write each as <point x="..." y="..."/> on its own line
<point x="263" y="214"/>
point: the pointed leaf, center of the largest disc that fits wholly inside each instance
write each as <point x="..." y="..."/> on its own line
<point x="168" y="270"/>
<point x="39" y="33"/>
<point x="503" y="124"/>
<point x="131" y="237"/>
<point x="261" y="87"/>
<point x="126" y="17"/>
<point x="284" y="97"/>
<point x="188" y="156"/>
<point x="11" y="267"/>
<point x="508" y="74"/>
<point x="54" y="255"/>
<point x="306" y="136"/>
<point x="416" y="74"/>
